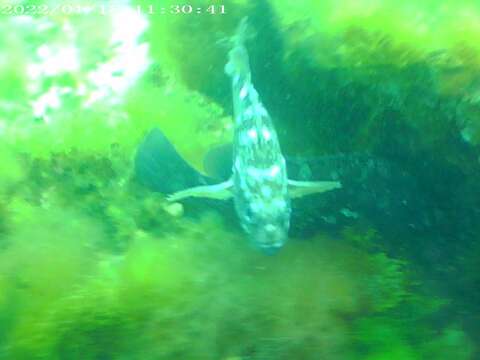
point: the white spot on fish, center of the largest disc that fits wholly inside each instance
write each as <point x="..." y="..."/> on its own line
<point x="266" y="134"/>
<point x="252" y="133"/>
<point x="274" y="170"/>
<point x="243" y="92"/>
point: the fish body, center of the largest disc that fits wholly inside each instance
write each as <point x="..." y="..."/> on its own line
<point x="258" y="183"/>
<point x="259" y="172"/>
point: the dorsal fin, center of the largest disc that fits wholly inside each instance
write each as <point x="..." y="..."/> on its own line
<point x="159" y="166"/>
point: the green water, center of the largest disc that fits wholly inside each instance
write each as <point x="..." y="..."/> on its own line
<point x="384" y="96"/>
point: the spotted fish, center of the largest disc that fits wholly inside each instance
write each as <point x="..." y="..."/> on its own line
<point x="259" y="185"/>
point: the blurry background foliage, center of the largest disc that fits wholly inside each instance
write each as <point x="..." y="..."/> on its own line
<point x="94" y="266"/>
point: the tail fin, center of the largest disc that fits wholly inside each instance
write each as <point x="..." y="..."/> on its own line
<point x="238" y="62"/>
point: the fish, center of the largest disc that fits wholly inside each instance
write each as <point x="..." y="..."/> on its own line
<point x="259" y="184"/>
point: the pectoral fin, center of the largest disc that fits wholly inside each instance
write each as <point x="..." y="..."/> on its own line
<point x="222" y="191"/>
<point x="298" y="189"/>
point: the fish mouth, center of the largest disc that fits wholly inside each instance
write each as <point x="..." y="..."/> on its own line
<point x="269" y="239"/>
<point x="270" y="247"/>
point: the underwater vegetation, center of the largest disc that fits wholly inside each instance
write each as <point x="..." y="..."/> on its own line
<point x="200" y="292"/>
<point x="93" y="265"/>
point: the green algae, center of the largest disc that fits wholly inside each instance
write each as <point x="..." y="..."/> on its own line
<point x="201" y="293"/>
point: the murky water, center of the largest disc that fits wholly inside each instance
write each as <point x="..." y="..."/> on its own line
<point x="113" y="115"/>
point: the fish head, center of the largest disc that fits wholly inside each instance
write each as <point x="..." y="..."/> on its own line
<point x="267" y="225"/>
<point x="269" y="237"/>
